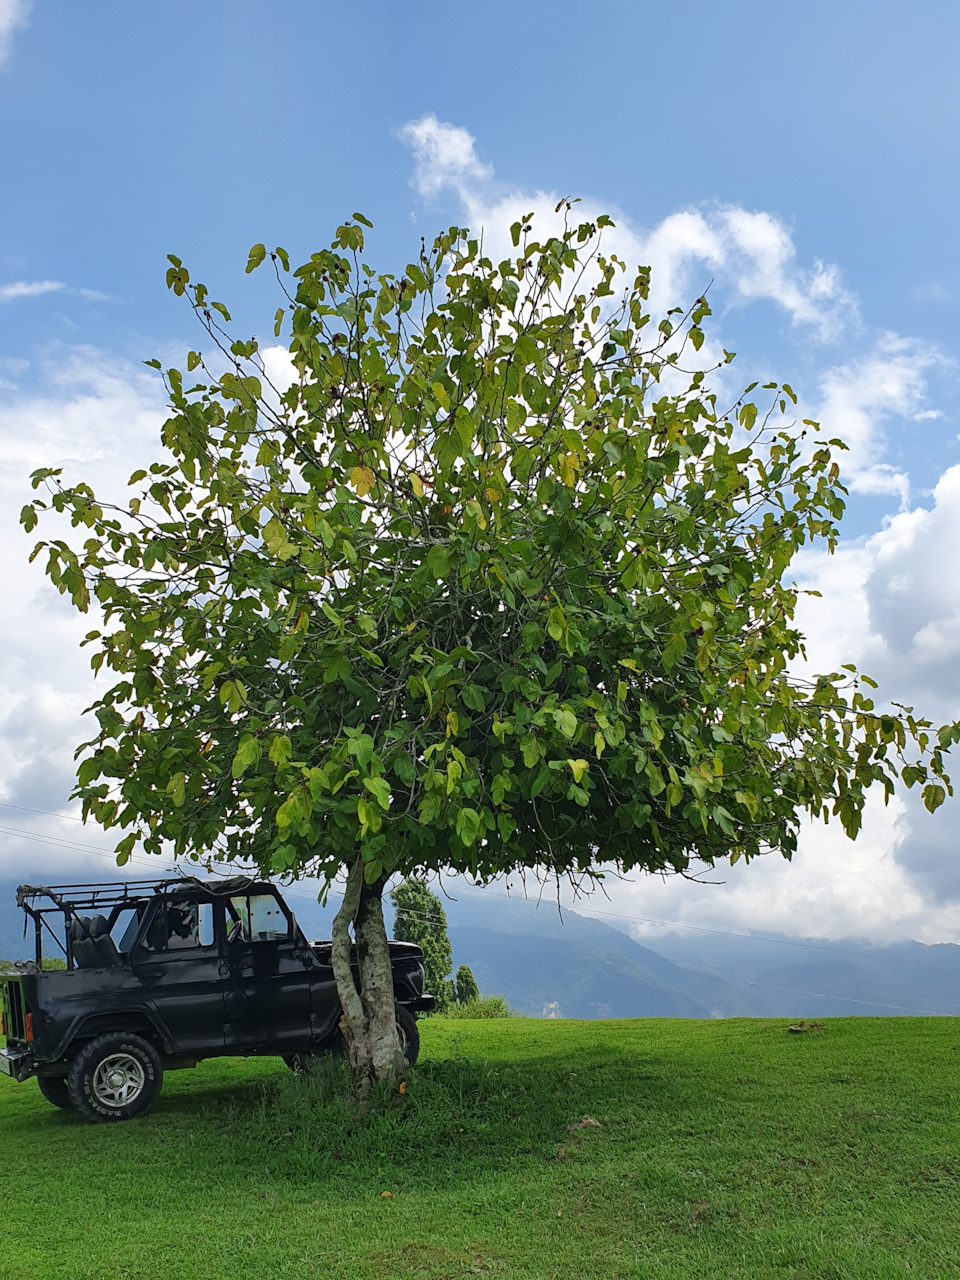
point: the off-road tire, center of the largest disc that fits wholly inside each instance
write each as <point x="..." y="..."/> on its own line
<point x="408" y="1033"/>
<point x="334" y="1047"/>
<point x="54" y="1089"/>
<point x="104" y="1096"/>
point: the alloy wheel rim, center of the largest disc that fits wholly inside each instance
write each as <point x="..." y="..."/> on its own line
<point x="118" y="1080"/>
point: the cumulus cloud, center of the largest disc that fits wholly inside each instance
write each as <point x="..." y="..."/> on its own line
<point x="13" y="14"/>
<point x="892" y="606"/>
<point x="28" y="288"/>
<point x="860" y="399"/>
<point x="444" y="155"/>
<point x="98" y="418"/>
<point x="751" y="253"/>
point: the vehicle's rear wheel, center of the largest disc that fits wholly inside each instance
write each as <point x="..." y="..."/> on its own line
<point x="54" y="1089"/>
<point x="115" y="1077"/>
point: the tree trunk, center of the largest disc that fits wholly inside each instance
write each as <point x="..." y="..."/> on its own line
<point x="368" y="1023"/>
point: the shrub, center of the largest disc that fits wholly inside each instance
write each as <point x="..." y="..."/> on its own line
<point x="479" y="1007"/>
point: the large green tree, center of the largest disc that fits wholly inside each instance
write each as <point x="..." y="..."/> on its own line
<point x="497" y="581"/>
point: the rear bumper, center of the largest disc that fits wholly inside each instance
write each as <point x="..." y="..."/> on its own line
<point x="17" y="1063"/>
<point x="422" y="1004"/>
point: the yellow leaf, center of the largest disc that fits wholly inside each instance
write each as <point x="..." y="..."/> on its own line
<point x="453" y="724"/>
<point x="440" y="395"/>
<point x="491" y="495"/>
<point x="403" y="1086"/>
<point x="578" y="768"/>
<point x="474" y="508"/>
<point x="362" y="479"/>
<point x="388" y="1195"/>
<point x="416" y="484"/>
<point x="569" y="466"/>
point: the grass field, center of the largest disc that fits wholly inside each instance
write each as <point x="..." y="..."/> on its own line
<point x="725" y="1149"/>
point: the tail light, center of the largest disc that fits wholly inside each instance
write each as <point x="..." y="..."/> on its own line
<point x="28" y="1020"/>
<point x="3" y="1022"/>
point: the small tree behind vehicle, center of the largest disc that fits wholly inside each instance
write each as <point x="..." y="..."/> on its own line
<point x="420" y="918"/>
<point x="466" y="985"/>
<point x="492" y="579"/>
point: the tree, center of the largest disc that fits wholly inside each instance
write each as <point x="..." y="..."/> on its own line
<point x="497" y="581"/>
<point x="420" y="918"/>
<point x="466" y="985"/>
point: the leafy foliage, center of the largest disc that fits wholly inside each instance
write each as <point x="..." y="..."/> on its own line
<point x="493" y="583"/>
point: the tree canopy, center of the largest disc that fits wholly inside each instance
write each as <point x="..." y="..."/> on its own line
<point x="494" y="578"/>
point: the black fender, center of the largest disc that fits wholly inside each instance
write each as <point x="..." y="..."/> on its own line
<point x="137" y="1020"/>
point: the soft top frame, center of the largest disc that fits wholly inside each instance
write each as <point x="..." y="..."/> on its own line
<point x="110" y="898"/>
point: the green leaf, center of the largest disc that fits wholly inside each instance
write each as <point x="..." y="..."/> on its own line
<point x="438" y="562"/>
<point x="933" y="796"/>
<point x="257" y="255"/>
<point x="566" y="721"/>
<point x="675" y="646"/>
<point x="247" y="753"/>
<point x="380" y="790"/>
<point x="468" y="825"/>
<point x="280" y="751"/>
<point x="176" y="789"/>
<point x="472" y="697"/>
<point x="125" y="848"/>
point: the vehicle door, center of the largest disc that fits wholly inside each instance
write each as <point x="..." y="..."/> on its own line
<point x="268" y="996"/>
<point x="177" y="959"/>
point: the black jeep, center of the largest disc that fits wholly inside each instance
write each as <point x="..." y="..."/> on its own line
<point x="162" y="973"/>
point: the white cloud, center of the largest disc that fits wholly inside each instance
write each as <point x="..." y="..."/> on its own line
<point x="99" y="419"/>
<point x="892" y="606"/>
<point x="751" y="253"/>
<point x="444" y="156"/>
<point x="28" y="288"/>
<point x="13" y="14"/>
<point x="833" y="888"/>
<point x="859" y="398"/>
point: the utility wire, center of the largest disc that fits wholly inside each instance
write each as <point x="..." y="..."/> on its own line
<point x="492" y="893"/>
<point x="290" y="892"/>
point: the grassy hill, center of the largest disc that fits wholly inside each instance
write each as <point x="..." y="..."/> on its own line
<point x="723" y="1149"/>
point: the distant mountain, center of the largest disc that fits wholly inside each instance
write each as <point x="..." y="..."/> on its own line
<point x="820" y="978"/>
<point x="568" y="965"/>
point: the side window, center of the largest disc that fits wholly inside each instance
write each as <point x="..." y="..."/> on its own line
<point x="181" y="926"/>
<point x="125" y="929"/>
<point x="256" y="919"/>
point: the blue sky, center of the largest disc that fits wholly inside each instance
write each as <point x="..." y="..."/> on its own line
<point x="803" y="157"/>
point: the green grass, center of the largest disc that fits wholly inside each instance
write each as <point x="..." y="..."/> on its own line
<point x="727" y="1149"/>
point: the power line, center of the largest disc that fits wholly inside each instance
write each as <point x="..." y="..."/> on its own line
<point x="764" y="986"/>
<point x="585" y="912"/>
<point x="46" y="812"/>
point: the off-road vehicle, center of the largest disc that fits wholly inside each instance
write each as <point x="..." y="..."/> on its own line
<point x="161" y="973"/>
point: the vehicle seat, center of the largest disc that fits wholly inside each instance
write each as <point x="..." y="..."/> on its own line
<point x="93" y="948"/>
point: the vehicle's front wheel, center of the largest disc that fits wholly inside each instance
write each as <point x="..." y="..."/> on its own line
<point x="54" y="1089"/>
<point x="115" y="1077"/>
<point x="333" y="1046"/>
<point x="408" y="1034"/>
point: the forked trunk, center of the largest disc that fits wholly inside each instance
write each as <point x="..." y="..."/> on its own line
<point x="368" y="1023"/>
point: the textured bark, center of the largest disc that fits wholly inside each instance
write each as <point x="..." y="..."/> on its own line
<point x="368" y="1022"/>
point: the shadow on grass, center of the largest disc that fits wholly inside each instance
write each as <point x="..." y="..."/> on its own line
<point x="458" y="1119"/>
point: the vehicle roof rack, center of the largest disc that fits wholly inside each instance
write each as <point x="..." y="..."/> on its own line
<point x="69" y="897"/>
